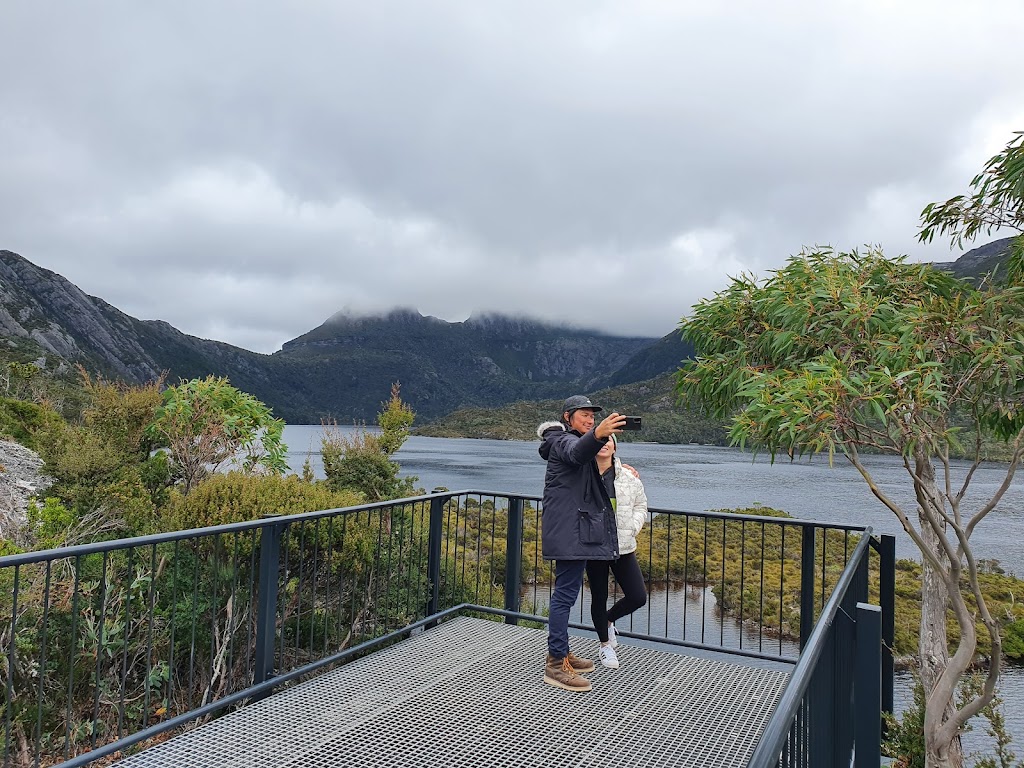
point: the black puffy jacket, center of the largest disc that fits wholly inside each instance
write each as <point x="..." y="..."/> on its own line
<point x="578" y="522"/>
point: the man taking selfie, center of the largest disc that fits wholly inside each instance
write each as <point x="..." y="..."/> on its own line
<point x="578" y="524"/>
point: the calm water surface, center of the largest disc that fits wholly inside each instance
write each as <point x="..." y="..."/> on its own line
<point x="699" y="478"/>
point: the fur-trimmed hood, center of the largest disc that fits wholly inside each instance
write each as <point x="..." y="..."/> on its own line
<point x="549" y="425"/>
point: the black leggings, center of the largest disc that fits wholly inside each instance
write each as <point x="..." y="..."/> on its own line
<point x="630" y="580"/>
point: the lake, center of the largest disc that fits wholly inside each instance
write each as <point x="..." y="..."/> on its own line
<point x="700" y="478"/>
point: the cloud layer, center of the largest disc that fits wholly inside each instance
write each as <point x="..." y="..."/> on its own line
<point x="244" y="170"/>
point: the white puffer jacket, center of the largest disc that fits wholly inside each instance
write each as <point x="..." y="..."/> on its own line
<point x="630" y="507"/>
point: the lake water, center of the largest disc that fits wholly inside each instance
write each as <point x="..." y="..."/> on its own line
<point x="699" y="478"/>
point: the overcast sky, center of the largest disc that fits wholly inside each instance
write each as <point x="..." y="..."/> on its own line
<point x="244" y="170"/>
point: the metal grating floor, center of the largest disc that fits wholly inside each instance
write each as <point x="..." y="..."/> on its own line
<point x="469" y="693"/>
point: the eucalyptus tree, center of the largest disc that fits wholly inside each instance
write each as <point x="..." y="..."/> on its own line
<point x="849" y="353"/>
<point x="207" y="424"/>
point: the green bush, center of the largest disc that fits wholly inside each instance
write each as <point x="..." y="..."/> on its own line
<point x="20" y="420"/>
<point x="237" y="496"/>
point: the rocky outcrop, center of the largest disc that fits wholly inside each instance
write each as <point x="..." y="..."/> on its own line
<point x="41" y="306"/>
<point x="21" y="479"/>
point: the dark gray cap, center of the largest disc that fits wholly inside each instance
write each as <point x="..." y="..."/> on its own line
<point x="576" y="402"/>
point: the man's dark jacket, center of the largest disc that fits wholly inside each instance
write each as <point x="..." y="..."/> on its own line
<point x="578" y="522"/>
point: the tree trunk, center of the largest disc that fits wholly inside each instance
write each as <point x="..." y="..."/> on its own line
<point x="933" y="645"/>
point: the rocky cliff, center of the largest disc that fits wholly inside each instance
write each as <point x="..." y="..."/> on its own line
<point x="20" y="479"/>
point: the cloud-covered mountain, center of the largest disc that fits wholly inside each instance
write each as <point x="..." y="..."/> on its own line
<point x="343" y="369"/>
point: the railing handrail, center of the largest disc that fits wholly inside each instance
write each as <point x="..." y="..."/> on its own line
<point x="80" y="550"/>
<point x="37" y="556"/>
<point x="797" y="521"/>
<point x="776" y="730"/>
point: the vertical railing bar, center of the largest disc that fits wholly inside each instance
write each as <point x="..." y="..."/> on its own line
<point x="312" y="599"/>
<point x="721" y="613"/>
<point x="10" y="665"/>
<point x="279" y="600"/>
<point x="444" y="553"/>
<point x="494" y="521"/>
<point x="151" y="601"/>
<point x="447" y="555"/>
<point x="807" y="591"/>
<point x="416" y="561"/>
<point x="513" y="556"/>
<point x="355" y="591"/>
<point x="327" y="578"/>
<point x="342" y="580"/>
<point x="124" y="653"/>
<point x="42" y="663"/>
<point x="686" y="567"/>
<point x="269" y="613"/>
<point x="421" y="536"/>
<point x="650" y="573"/>
<point x="236" y="611"/>
<point x="301" y="555"/>
<point x="465" y="541"/>
<point x="250" y="673"/>
<point x="170" y="652"/>
<point x="375" y="603"/>
<point x="479" y="543"/>
<point x="743" y="562"/>
<point x="704" y="584"/>
<point x="413" y="562"/>
<point x="73" y="650"/>
<point x="195" y="620"/>
<point x="887" y="598"/>
<point x="782" y="581"/>
<point x="387" y="592"/>
<point x="401" y="568"/>
<point x="824" y="566"/>
<point x="537" y="561"/>
<point x="214" y="610"/>
<point x="760" y="615"/>
<point x="435" y="533"/>
<point x="649" y="583"/>
<point x="99" y="647"/>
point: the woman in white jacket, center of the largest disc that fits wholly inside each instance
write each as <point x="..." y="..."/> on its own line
<point x="630" y="504"/>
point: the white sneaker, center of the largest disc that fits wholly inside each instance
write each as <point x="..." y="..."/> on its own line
<point x="608" y="657"/>
<point x="612" y="640"/>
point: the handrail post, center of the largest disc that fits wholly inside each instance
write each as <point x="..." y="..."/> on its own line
<point x="867" y="691"/>
<point x="806" y="584"/>
<point x="887" y="602"/>
<point x="266" y="617"/>
<point x="434" y="553"/>
<point x="513" y="556"/>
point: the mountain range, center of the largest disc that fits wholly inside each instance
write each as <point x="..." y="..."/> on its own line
<point x="344" y="368"/>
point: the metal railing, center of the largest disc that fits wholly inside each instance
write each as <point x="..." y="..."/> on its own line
<point x="830" y="710"/>
<point x="110" y="644"/>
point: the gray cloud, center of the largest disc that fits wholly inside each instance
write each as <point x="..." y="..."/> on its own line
<point x="244" y="171"/>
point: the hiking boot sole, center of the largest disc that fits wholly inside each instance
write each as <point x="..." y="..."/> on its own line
<point x="559" y="684"/>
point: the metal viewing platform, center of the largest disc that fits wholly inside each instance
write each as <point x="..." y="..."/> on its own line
<point x="356" y="637"/>
<point x="470" y="693"/>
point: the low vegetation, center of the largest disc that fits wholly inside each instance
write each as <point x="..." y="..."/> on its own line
<point x="654" y="400"/>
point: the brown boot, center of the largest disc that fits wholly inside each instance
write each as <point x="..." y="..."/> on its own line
<point x="580" y="665"/>
<point x="559" y="673"/>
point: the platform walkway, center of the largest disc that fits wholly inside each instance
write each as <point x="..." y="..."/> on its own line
<point x="469" y="693"/>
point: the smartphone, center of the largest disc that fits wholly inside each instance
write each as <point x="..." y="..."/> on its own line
<point x="632" y="423"/>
